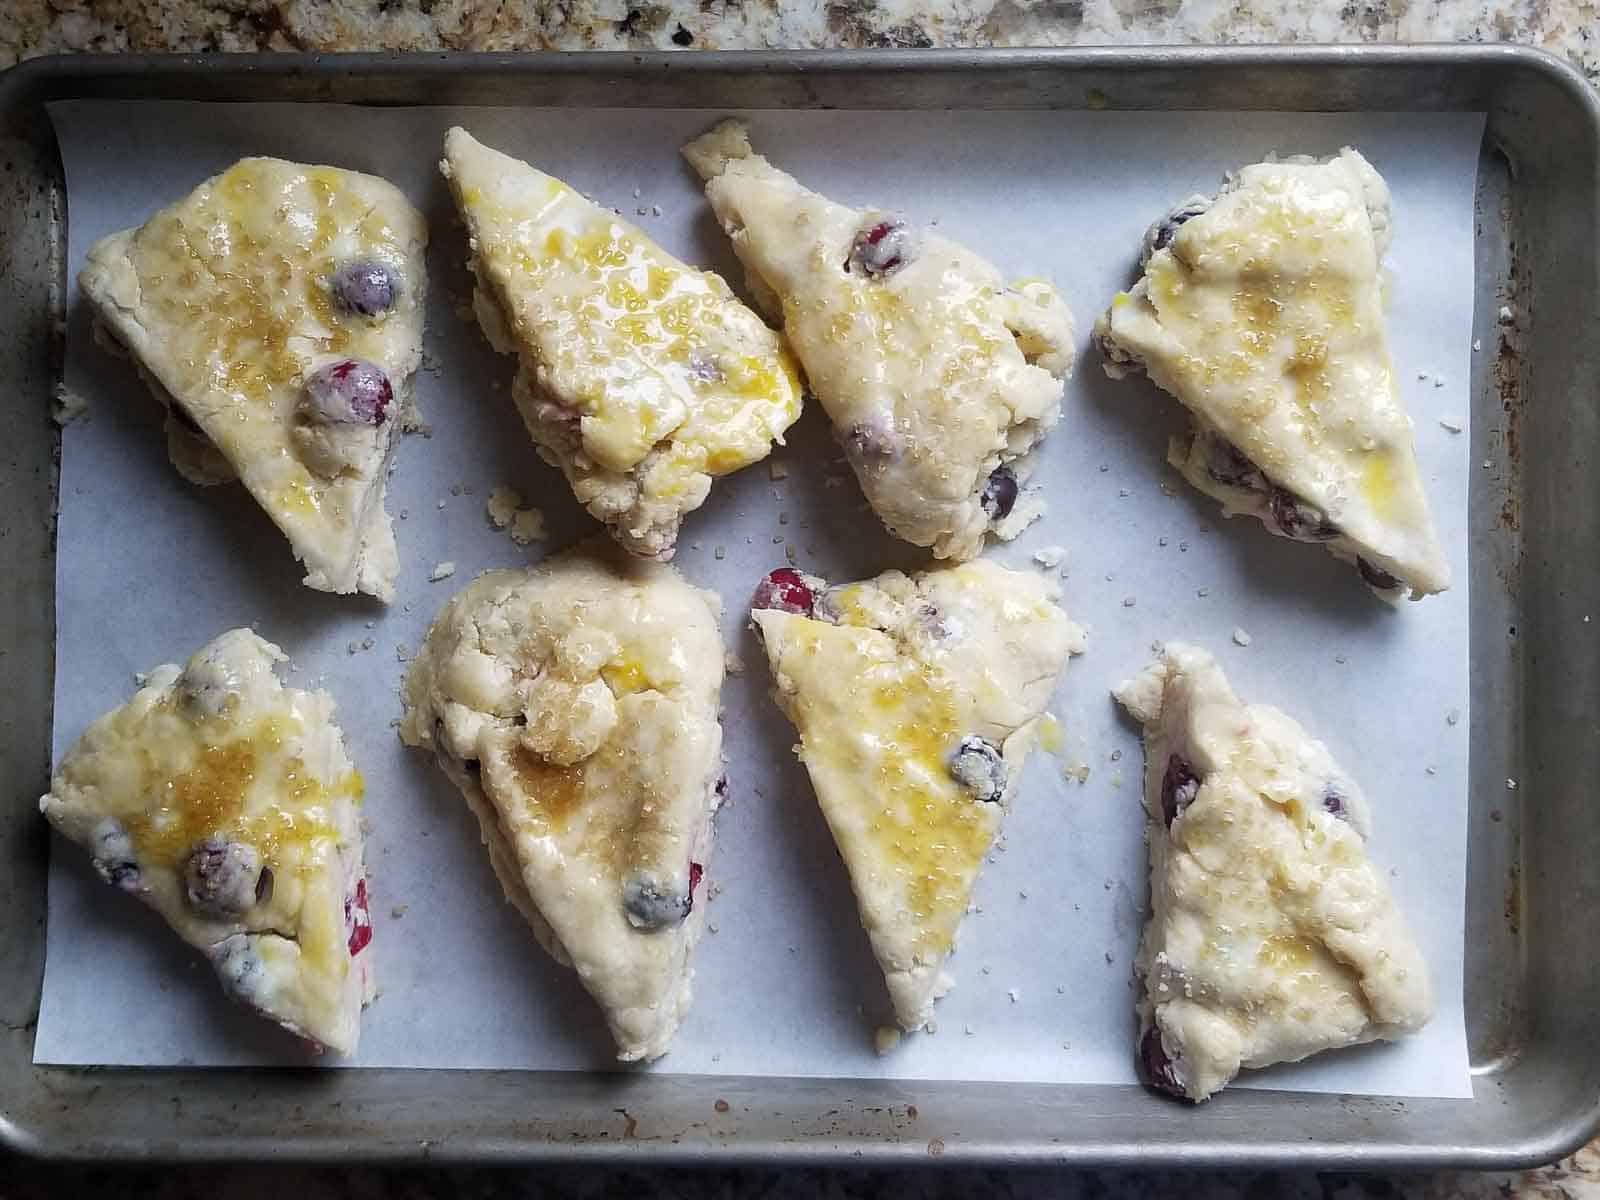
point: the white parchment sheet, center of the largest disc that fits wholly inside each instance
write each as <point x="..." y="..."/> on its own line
<point x="150" y="567"/>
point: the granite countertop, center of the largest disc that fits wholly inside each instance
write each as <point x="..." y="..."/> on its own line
<point x="31" y="27"/>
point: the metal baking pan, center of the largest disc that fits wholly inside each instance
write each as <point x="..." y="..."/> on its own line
<point x="1533" y="947"/>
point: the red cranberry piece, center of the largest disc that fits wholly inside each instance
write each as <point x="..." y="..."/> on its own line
<point x="365" y="287"/>
<point x="359" y="919"/>
<point x="978" y="766"/>
<point x="1376" y="577"/>
<point x="882" y="248"/>
<point x="1179" y="786"/>
<point x="696" y="872"/>
<point x="1298" y="520"/>
<point x="999" y="494"/>
<point x="351" y="391"/>
<point x="786" y="590"/>
<point x="1160" y="1070"/>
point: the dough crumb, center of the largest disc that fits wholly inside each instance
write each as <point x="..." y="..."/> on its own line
<point x="1507" y="314"/>
<point x="1050" y="557"/>
<point x="66" y="405"/>
<point x="1453" y="717"/>
<point x="1450" y="425"/>
<point x="1012" y="994"/>
<point x="732" y="663"/>
<point x="502" y="506"/>
<point x="777" y="469"/>
<point x="1241" y="638"/>
<point x="398" y="911"/>
<point x="441" y="570"/>
<point x="885" y="1039"/>
<point x="528" y="526"/>
<point x="1477" y="344"/>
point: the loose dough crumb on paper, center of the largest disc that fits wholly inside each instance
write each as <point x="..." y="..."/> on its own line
<point x="441" y="571"/>
<point x="885" y="1038"/>
<point x="777" y="468"/>
<point x="1050" y="557"/>
<point x="732" y="663"/>
<point x="1450" y="425"/>
<point x="527" y="526"/>
<point x="502" y="506"/>
<point x="66" y="406"/>
<point x="1241" y="638"/>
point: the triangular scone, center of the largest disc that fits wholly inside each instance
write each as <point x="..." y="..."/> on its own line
<point x="938" y="377"/>
<point x="640" y="377"/>
<point x="1271" y="934"/>
<point x="277" y="313"/>
<point x="575" y="705"/>
<point x="1262" y="310"/>
<point x="916" y="700"/>
<point x="226" y="802"/>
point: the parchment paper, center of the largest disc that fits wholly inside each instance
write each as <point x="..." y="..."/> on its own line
<point x="150" y="567"/>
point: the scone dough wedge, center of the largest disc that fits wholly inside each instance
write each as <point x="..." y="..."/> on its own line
<point x="1272" y="936"/>
<point x="1262" y="311"/>
<point x="917" y="700"/>
<point x="640" y="377"/>
<point x="575" y="706"/>
<point x="938" y="376"/>
<point x="225" y="801"/>
<point x="276" y="312"/>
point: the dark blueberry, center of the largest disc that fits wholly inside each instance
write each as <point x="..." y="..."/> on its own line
<point x="1298" y="520"/>
<point x="1333" y="802"/>
<point x="111" y="849"/>
<point x="1376" y="577"/>
<point x="1179" y="786"/>
<point x="1162" y="233"/>
<point x="364" y="287"/>
<point x="785" y="590"/>
<point x="999" y="494"/>
<point x="872" y="443"/>
<point x="351" y="391"/>
<point x="722" y="788"/>
<point x="224" y="878"/>
<point x="649" y="904"/>
<point x="705" y="367"/>
<point x="124" y="875"/>
<point x="682" y="37"/>
<point x="978" y="766"/>
<point x="937" y="625"/>
<point x="1226" y="464"/>
<point x="1160" y="1071"/>
<point x="882" y="248"/>
<point x="239" y="967"/>
<point x="359" y="918"/>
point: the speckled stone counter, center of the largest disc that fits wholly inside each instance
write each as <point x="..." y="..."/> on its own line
<point x="27" y="27"/>
<point x="30" y="27"/>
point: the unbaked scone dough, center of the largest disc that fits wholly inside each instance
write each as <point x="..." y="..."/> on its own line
<point x="575" y="705"/>
<point x="640" y="377"/>
<point x="1272" y="936"/>
<point x="938" y="376"/>
<point x="1262" y="310"/>
<point x="916" y="700"/>
<point x="225" y="801"/>
<point x="276" y="312"/>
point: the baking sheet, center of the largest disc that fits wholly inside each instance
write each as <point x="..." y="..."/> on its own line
<point x="149" y="567"/>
